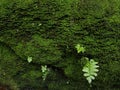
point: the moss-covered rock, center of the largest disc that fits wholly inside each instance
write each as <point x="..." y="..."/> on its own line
<point x="47" y="31"/>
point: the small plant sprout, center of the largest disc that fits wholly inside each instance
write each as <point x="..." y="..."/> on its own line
<point x="29" y="59"/>
<point x="90" y="70"/>
<point x="39" y="24"/>
<point x="45" y="71"/>
<point x="80" y="48"/>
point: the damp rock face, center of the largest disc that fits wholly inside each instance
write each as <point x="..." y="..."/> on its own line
<point x="47" y="31"/>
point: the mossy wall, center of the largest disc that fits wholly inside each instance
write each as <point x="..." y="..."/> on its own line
<point x="47" y="31"/>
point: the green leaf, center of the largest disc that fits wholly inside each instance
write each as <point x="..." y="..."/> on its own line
<point x="44" y="68"/>
<point x="29" y="59"/>
<point x="89" y="80"/>
<point x="85" y="69"/>
<point x="45" y="71"/>
<point x="90" y="70"/>
<point x="86" y="74"/>
<point x="80" y="48"/>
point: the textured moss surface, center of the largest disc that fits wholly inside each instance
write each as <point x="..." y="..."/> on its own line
<point x="47" y="31"/>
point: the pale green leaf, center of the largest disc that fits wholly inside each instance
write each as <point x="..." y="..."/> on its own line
<point x="80" y="48"/>
<point x="89" y="80"/>
<point x="85" y="69"/>
<point x="86" y="74"/>
<point x="90" y="70"/>
<point x="29" y="59"/>
<point x="92" y="77"/>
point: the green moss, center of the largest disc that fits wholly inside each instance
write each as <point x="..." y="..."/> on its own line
<point x="48" y="30"/>
<point x="43" y="51"/>
<point x="9" y="66"/>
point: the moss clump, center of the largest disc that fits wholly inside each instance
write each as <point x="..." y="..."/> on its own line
<point x="10" y="65"/>
<point x="43" y="51"/>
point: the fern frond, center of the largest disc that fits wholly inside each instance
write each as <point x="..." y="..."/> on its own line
<point x="90" y="70"/>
